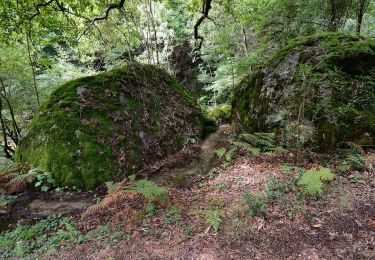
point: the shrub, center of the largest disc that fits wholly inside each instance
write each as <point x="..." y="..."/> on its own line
<point x="213" y="218"/>
<point x="38" y="238"/>
<point x="255" y="204"/>
<point x="262" y="141"/>
<point x="149" y="189"/>
<point x="220" y="113"/>
<point x="311" y="181"/>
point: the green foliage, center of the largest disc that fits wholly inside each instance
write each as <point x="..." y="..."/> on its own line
<point x="221" y="152"/>
<point x="150" y="210"/>
<point x="110" y="185"/>
<point x="105" y="233"/>
<point x="216" y="203"/>
<point x="227" y="154"/>
<point x="356" y="162"/>
<point x="220" y="113"/>
<point x="222" y="185"/>
<point x="275" y="192"/>
<point x="150" y="190"/>
<point x="6" y="200"/>
<point x="44" y="180"/>
<point x="5" y="163"/>
<point x="255" y="205"/>
<point x="213" y="218"/>
<point x="37" y="239"/>
<point x="253" y="150"/>
<point x="173" y="215"/>
<point x="262" y="141"/>
<point x="311" y="181"/>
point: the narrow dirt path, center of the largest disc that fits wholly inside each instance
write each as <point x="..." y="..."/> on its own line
<point x="200" y="166"/>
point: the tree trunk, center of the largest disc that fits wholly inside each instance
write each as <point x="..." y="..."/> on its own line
<point x="362" y="6"/>
<point x="32" y="69"/>
<point x="16" y="129"/>
<point x="245" y="43"/>
<point x="6" y="148"/>
<point x="332" y="27"/>
<point x="152" y="18"/>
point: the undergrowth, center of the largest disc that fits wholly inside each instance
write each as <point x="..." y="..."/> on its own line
<point x="39" y="238"/>
<point x="311" y="181"/>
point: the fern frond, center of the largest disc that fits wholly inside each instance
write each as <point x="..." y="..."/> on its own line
<point x="312" y="180"/>
<point x="149" y="190"/>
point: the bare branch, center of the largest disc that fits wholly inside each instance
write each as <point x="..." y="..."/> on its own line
<point x="38" y="7"/>
<point x="206" y="6"/>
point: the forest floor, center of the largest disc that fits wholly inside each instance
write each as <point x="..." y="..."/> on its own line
<point x="245" y="207"/>
<point x="208" y="219"/>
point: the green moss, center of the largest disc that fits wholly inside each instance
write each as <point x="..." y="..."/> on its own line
<point x="105" y="126"/>
<point x="333" y="75"/>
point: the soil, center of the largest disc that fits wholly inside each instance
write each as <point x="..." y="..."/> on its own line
<point x="340" y="225"/>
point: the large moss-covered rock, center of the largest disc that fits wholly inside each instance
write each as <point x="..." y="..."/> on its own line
<point x="322" y="84"/>
<point x="103" y="127"/>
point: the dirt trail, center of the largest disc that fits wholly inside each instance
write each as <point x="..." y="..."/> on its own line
<point x="198" y="167"/>
<point x="31" y="205"/>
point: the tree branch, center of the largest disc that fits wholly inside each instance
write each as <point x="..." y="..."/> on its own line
<point x="206" y="6"/>
<point x="38" y="7"/>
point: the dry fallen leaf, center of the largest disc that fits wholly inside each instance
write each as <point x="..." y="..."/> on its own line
<point x="317" y="225"/>
<point x="372" y="223"/>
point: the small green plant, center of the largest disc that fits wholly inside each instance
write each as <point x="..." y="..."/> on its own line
<point x="356" y="162"/>
<point x="311" y="181"/>
<point x="105" y="233"/>
<point x="7" y="199"/>
<point x="97" y="199"/>
<point x="150" y="210"/>
<point x="149" y="189"/>
<point x="110" y="185"/>
<point x="275" y="192"/>
<point x="44" y="180"/>
<point x="5" y="163"/>
<point x="253" y="150"/>
<point x="213" y="172"/>
<point x="213" y="218"/>
<point x="262" y="141"/>
<point x="255" y="205"/>
<point x="221" y="152"/>
<point x="172" y="216"/>
<point x="188" y="231"/>
<point x="37" y="239"/>
<point x="227" y="154"/>
<point x="217" y="203"/>
<point x="222" y="185"/>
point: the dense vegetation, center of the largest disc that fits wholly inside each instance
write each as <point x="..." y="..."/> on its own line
<point x="194" y="128"/>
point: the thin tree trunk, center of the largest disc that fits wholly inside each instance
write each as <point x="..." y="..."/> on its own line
<point x="6" y="148"/>
<point x="16" y="129"/>
<point x="154" y="31"/>
<point x="32" y="69"/>
<point x="245" y="43"/>
<point x="362" y="6"/>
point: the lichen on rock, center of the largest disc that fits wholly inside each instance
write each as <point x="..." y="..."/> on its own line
<point x="109" y="125"/>
<point x="324" y="81"/>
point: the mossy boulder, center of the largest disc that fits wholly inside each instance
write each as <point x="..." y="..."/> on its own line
<point x="109" y="125"/>
<point x="321" y="84"/>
